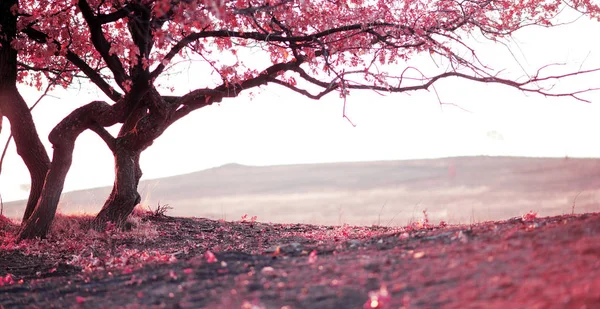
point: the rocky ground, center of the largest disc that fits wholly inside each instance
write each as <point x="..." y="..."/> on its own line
<point x="167" y="262"/>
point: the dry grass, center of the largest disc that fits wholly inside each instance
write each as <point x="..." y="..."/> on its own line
<point x="71" y="237"/>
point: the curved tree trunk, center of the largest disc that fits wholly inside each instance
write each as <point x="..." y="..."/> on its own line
<point x="12" y="105"/>
<point x="29" y="145"/>
<point x="124" y="196"/>
<point x="95" y="115"/>
<point x="138" y="132"/>
<point x="38" y="223"/>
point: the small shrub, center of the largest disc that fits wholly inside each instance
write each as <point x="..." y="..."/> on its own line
<point x="160" y="210"/>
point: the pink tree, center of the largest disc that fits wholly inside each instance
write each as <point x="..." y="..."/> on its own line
<point x="313" y="48"/>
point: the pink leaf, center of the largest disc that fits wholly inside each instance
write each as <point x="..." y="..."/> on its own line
<point x="530" y="216"/>
<point x="312" y="257"/>
<point x="210" y="257"/>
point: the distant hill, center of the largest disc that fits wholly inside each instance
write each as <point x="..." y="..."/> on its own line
<point x="458" y="189"/>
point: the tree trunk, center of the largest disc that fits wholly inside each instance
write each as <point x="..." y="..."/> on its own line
<point x="12" y="105"/>
<point x="38" y="223"/>
<point x="138" y="132"/>
<point x="29" y="145"/>
<point x="94" y="115"/>
<point x="124" y="196"/>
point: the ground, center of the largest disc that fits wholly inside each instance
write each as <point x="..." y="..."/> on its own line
<point x="167" y="262"/>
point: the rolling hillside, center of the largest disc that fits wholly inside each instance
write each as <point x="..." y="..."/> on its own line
<point x="457" y="190"/>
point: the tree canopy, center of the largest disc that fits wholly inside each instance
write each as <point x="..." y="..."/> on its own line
<point x="313" y="48"/>
<point x="117" y="43"/>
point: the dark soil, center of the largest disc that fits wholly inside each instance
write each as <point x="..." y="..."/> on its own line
<point x="525" y="262"/>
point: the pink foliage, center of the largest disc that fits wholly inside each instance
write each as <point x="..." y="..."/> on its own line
<point x="252" y="219"/>
<point x="7" y="280"/>
<point x="329" y="35"/>
<point x="530" y="216"/>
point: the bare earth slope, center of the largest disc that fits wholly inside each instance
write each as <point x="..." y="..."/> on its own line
<point x="393" y="193"/>
<point x="528" y="262"/>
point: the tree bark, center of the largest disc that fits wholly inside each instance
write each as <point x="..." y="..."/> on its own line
<point x="124" y="196"/>
<point x="12" y="105"/>
<point x="94" y="115"/>
<point x="143" y="125"/>
<point x="29" y="145"/>
<point x="38" y="223"/>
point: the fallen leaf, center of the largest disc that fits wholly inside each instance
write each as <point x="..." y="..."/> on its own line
<point x="312" y="257"/>
<point x="419" y="255"/>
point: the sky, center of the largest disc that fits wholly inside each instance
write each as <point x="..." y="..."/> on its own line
<point x="276" y="126"/>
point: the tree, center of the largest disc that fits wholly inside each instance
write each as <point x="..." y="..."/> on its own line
<point x="313" y="48"/>
<point x="12" y="105"/>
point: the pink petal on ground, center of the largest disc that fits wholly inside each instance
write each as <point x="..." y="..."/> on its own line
<point x="210" y="257"/>
<point x="312" y="257"/>
<point x="530" y="216"/>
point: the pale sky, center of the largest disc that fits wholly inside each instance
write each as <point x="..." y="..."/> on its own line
<point x="280" y="127"/>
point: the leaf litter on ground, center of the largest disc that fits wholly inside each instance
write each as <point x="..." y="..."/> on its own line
<point x="527" y="260"/>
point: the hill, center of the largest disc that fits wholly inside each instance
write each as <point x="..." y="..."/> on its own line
<point x="456" y="190"/>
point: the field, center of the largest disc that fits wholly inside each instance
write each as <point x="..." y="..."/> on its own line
<point x="454" y="233"/>
<point x="389" y="193"/>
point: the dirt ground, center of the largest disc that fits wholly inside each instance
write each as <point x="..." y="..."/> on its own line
<point x="166" y="262"/>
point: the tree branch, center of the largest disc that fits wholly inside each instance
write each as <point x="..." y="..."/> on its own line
<point x="101" y="44"/>
<point x="428" y="82"/>
<point x="264" y="37"/>
<point x="94" y="76"/>
<point x="302" y="91"/>
<point x="203" y="97"/>
<point x="110" y="141"/>
<point x="114" y="16"/>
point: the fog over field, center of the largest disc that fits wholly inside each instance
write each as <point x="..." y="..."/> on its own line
<point x="456" y="190"/>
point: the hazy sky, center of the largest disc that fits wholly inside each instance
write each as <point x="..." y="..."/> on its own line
<point x="280" y="127"/>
